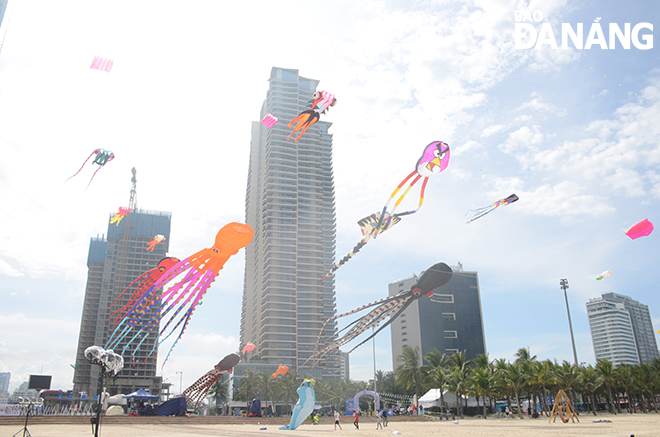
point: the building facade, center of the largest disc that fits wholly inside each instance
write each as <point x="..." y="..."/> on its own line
<point x="114" y="263"/>
<point x="5" y="377"/>
<point x="290" y="205"/>
<point x="621" y="330"/>
<point x="450" y="321"/>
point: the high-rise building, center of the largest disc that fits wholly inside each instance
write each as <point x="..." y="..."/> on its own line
<point x="5" y="377"/>
<point x="114" y="263"/>
<point x="3" y="9"/>
<point x="450" y="321"/>
<point x="290" y="205"/>
<point x="621" y="330"/>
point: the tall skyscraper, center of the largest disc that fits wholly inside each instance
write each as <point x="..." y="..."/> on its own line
<point x="450" y="321"/>
<point x="113" y="264"/>
<point x="5" y="377"/>
<point x="621" y="330"/>
<point x="290" y="206"/>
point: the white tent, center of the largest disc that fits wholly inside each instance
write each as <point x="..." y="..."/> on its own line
<point x="432" y="399"/>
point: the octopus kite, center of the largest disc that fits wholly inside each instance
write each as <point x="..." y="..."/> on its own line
<point x="157" y="239"/>
<point x="434" y="160"/>
<point x="321" y="101"/>
<point x="102" y="158"/>
<point x="176" y="300"/>
<point x="478" y="213"/>
<point x="120" y="215"/>
<point x="197" y="392"/>
<point x="392" y="306"/>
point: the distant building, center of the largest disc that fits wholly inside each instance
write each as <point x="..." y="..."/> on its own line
<point x="113" y="264"/>
<point x="449" y="321"/>
<point x="290" y="205"/>
<point x="621" y="330"/>
<point x="344" y="366"/>
<point x="3" y="9"/>
<point x="5" y="377"/>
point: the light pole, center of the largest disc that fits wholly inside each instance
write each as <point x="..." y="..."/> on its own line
<point x="564" y="286"/>
<point x="180" y="382"/>
<point x="373" y="329"/>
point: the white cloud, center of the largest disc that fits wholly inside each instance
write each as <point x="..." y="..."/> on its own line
<point x="6" y="269"/>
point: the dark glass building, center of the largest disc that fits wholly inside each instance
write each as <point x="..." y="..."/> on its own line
<point x="449" y="321"/>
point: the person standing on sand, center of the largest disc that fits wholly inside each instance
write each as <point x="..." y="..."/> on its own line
<point x="379" y="425"/>
<point x="385" y="416"/>
<point x="356" y="419"/>
<point x="337" y="420"/>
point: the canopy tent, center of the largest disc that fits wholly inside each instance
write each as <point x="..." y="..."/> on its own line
<point x="173" y="407"/>
<point x="432" y="399"/>
<point x="141" y="394"/>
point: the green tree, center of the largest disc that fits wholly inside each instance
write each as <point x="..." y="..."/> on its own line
<point x="482" y="382"/>
<point x="591" y="380"/>
<point x="606" y="370"/>
<point x="247" y="387"/>
<point x="219" y="392"/>
<point x="409" y="370"/>
<point x="515" y="378"/>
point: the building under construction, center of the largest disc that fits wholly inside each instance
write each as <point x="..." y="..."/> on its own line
<point x="114" y="262"/>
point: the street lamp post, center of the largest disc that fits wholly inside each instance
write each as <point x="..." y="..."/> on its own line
<point x="180" y="382"/>
<point x="564" y="286"/>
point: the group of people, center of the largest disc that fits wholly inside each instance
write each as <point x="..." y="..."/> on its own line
<point x="381" y="416"/>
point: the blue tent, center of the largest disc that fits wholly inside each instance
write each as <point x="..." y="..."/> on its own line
<point x="173" y="407"/>
<point x="255" y="408"/>
<point x="141" y="394"/>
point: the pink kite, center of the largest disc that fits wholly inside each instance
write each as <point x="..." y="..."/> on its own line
<point x="101" y="64"/>
<point x="269" y="120"/>
<point x="157" y="239"/>
<point x="641" y="229"/>
<point x="249" y="347"/>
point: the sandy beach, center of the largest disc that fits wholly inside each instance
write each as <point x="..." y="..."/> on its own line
<point x="622" y="425"/>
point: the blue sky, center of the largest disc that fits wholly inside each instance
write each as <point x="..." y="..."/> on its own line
<point x="574" y="133"/>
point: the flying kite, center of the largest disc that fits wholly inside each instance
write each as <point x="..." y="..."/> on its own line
<point x="152" y="244"/>
<point x="102" y="158"/>
<point x="321" y="101"/>
<point x="641" y="229"/>
<point x="144" y="283"/>
<point x="367" y="226"/>
<point x="478" y="213"/>
<point x="434" y="159"/>
<point x="249" y="347"/>
<point x="176" y="300"/>
<point x="604" y="275"/>
<point x="101" y="64"/>
<point x="281" y="370"/>
<point x="392" y="306"/>
<point x="196" y="393"/>
<point x="120" y="215"/>
<point x="304" y="406"/>
<point x="269" y="120"/>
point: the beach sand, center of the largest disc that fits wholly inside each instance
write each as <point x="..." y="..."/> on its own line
<point x="623" y="425"/>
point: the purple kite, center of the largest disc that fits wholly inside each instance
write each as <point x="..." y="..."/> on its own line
<point x="641" y="229"/>
<point x="269" y="120"/>
<point x="101" y="64"/>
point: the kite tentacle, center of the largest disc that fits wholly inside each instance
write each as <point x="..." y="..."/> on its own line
<point x="83" y="165"/>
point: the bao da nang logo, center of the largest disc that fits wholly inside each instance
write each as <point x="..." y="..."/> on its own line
<point x="528" y="34"/>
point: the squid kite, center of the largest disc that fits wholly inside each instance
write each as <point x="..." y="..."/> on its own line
<point x="120" y="215"/>
<point x="606" y="274"/>
<point x="478" y="213"/>
<point x="641" y="229"/>
<point x="196" y="393"/>
<point x="176" y="299"/>
<point x="102" y="158"/>
<point x="281" y="370"/>
<point x="157" y="239"/>
<point x="434" y="159"/>
<point x="392" y="306"/>
<point x="321" y="101"/>
<point x="101" y="64"/>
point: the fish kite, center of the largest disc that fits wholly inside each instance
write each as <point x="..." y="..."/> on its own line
<point x="249" y="347"/>
<point x="281" y="370"/>
<point x="641" y="229"/>
<point x="178" y="292"/>
<point x="157" y="239"/>
<point x="304" y="406"/>
<point x="322" y="100"/>
<point x="606" y="274"/>
<point x="269" y="120"/>
<point x="102" y="158"/>
<point x="478" y="213"/>
<point x="434" y="160"/>
<point x="434" y="277"/>
<point x="197" y="392"/>
<point x="101" y="64"/>
<point x="120" y="215"/>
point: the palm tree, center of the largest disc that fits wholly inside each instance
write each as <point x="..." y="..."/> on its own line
<point x="524" y="355"/>
<point x="266" y="386"/>
<point x="460" y="363"/>
<point x="287" y="386"/>
<point x="591" y="381"/>
<point x="436" y="374"/>
<point x="218" y="392"/>
<point x="568" y="376"/>
<point x="543" y="375"/>
<point x="648" y="378"/>
<point x="626" y="380"/>
<point x="606" y="371"/>
<point x="515" y="378"/>
<point x="409" y="369"/>
<point x="482" y="383"/>
<point x="247" y="386"/>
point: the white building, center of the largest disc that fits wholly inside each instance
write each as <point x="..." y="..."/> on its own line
<point x="612" y="332"/>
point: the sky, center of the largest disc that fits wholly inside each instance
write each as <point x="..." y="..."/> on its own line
<point x="572" y="131"/>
